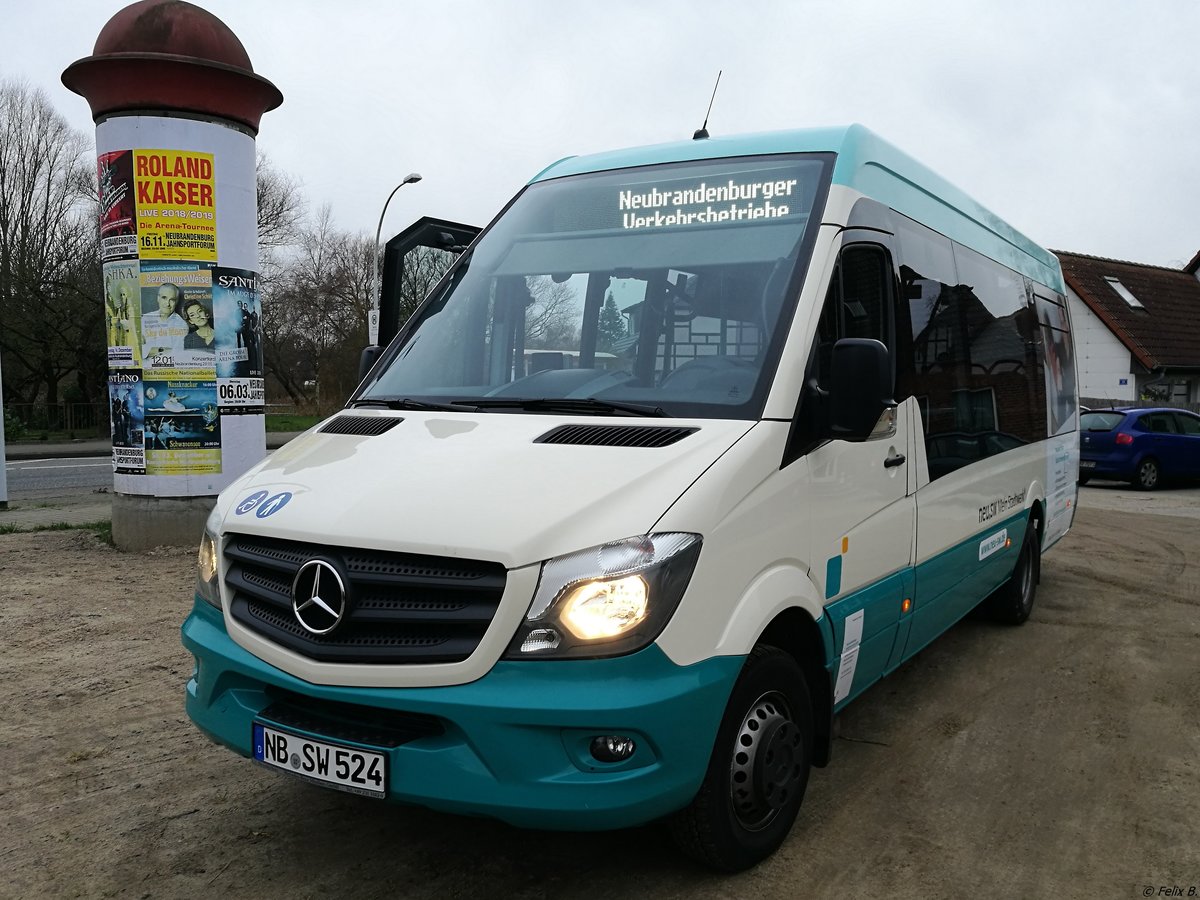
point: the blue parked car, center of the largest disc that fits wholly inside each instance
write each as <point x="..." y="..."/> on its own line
<point x="1143" y="446"/>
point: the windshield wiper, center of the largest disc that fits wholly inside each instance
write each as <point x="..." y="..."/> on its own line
<point x="588" y="405"/>
<point x="409" y="403"/>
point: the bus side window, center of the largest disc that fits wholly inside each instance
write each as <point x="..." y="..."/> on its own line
<point x="856" y="305"/>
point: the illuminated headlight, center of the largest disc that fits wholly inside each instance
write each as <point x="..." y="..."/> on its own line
<point x="207" y="584"/>
<point x="605" y="609"/>
<point x="607" y="600"/>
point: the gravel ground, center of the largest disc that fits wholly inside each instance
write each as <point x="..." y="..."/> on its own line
<point x="1059" y="759"/>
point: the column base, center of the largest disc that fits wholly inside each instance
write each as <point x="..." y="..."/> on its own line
<point x="140" y="523"/>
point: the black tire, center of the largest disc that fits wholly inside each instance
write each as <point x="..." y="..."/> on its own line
<point x="1148" y="475"/>
<point x="1084" y="479"/>
<point x="758" y="770"/>
<point x="1012" y="602"/>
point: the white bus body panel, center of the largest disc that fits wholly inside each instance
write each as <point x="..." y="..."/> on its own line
<point x="470" y="486"/>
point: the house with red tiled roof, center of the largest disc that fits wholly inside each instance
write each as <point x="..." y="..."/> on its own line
<point x="1194" y="266"/>
<point x="1136" y="328"/>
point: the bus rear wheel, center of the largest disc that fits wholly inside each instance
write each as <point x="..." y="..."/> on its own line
<point x="759" y="767"/>
<point x="1013" y="601"/>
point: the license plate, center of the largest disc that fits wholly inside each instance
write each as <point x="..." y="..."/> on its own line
<point x="332" y="765"/>
<point x="1087" y="464"/>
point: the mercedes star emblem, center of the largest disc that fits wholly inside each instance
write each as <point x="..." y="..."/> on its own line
<point x="318" y="597"/>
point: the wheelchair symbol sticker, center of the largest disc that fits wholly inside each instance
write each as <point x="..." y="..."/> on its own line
<point x="250" y="502"/>
<point x="263" y="505"/>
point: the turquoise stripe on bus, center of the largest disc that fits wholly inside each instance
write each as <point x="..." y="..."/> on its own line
<point x="833" y="577"/>
<point x="951" y="584"/>
<point x="880" y="604"/>
<point x="515" y="745"/>
<point x="943" y="590"/>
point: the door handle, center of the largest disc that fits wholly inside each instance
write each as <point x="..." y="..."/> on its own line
<point x="893" y="461"/>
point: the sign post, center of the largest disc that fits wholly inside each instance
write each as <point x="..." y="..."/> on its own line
<point x="3" y="469"/>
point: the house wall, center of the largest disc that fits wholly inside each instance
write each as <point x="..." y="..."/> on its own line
<point x="1102" y="359"/>
<point x="1173" y="387"/>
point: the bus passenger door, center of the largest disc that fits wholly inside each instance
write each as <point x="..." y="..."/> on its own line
<point x="861" y="509"/>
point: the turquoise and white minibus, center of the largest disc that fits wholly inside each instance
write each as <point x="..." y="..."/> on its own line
<point x="798" y="407"/>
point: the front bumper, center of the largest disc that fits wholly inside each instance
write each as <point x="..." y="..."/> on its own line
<point x="514" y="744"/>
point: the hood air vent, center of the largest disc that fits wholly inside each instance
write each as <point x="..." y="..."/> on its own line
<point x="368" y="426"/>
<point x="614" y="435"/>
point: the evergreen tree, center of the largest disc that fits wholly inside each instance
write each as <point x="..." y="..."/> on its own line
<point x="612" y="325"/>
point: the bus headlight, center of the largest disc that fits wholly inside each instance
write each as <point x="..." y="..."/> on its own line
<point x="605" y="609"/>
<point x="207" y="584"/>
<point x="607" y="600"/>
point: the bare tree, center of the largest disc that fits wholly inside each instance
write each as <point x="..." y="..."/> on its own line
<point x="50" y="323"/>
<point x="281" y="205"/>
<point x="551" y="319"/>
<point x="316" y="313"/>
<point x="423" y="269"/>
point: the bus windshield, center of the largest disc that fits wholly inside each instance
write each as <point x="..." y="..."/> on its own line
<point x="660" y="287"/>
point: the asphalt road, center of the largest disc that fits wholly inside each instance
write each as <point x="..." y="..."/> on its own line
<point x="40" y="479"/>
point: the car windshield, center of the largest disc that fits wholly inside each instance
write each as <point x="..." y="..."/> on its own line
<point x="658" y="290"/>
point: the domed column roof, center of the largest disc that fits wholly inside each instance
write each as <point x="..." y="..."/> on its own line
<point x="170" y="55"/>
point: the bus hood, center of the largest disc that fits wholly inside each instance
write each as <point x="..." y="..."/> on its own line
<point x="474" y="486"/>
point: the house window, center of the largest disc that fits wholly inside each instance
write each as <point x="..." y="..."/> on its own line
<point x="1123" y="292"/>
<point x="975" y="410"/>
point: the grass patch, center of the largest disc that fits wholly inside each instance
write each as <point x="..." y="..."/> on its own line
<point x="102" y="529"/>
<point x="291" y="422"/>
<point x="78" y="756"/>
<point x="34" y="436"/>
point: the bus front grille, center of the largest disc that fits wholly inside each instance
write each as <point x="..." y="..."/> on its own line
<point x="397" y="608"/>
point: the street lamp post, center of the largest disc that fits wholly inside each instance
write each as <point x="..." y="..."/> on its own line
<point x="3" y="473"/>
<point x="373" y="322"/>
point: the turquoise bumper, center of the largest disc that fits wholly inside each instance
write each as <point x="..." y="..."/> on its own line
<point x="514" y="744"/>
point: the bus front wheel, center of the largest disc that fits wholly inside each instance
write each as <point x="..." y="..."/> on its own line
<point x="759" y="767"/>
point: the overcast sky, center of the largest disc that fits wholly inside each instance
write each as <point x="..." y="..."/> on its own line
<point x="1075" y="120"/>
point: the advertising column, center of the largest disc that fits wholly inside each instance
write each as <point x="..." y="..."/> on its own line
<point x="179" y="254"/>
<point x="177" y="107"/>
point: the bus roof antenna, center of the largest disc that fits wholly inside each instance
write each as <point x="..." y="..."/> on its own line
<point x="702" y="134"/>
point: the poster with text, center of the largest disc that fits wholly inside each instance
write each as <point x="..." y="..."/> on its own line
<point x="123" y="314"/>
<point x="178" y="339"/>
<point x="182" y="433"/>
<point x="176" y="204"/>
<point x="127" y="413"/>
<point x="118" y="223"/>
<point x="239" y="340"/>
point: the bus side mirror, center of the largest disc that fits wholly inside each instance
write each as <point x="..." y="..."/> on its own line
<point x="368" y="358"/>
<point x="860" y="388"/>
